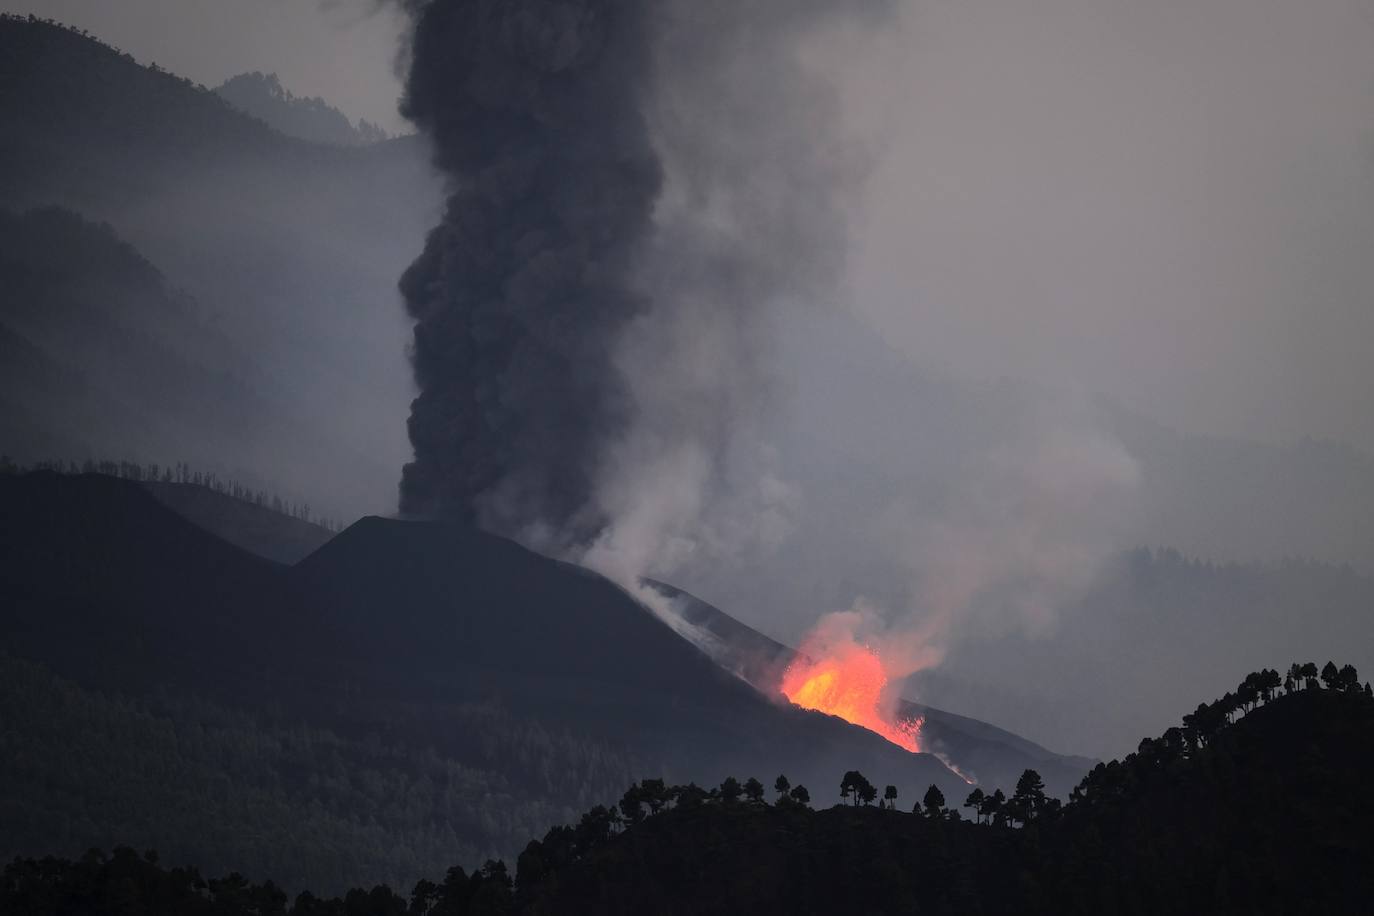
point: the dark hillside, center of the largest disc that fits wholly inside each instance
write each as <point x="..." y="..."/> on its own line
<point x="469" y="612"/>
<point x="1270" y="816"/>
<point x="1266" y="815"/>
<point x="528" y="689"/>
<point x="63" y="95"/>
<point x="257" y="529"/>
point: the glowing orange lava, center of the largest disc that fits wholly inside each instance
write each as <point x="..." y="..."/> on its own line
<point x="848" y="681"/>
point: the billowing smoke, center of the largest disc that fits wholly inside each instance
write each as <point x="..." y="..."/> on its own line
<point x="534" y="111"/>
<point x="636" y="187"/>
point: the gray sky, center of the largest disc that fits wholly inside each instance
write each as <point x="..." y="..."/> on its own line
<point x="1171" y="203"/>
<point x="322" y="48"/>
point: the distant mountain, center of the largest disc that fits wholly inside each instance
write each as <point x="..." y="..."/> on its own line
<point x="1154" y="631"/>
<point x="104" y="356"/>
<point x="407" y="682"/>
<point x="288" y="250"/>
<point x="263" y="96"/>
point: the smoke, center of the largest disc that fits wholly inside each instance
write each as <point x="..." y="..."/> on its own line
<point x="646" y="200"/>
<point x="534" y="113"/>
<point x="637" y="190"/>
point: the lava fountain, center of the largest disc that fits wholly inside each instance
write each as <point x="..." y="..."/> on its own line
<point x="846" y="679"/>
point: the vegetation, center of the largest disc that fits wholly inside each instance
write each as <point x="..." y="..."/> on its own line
<point x="180" y="473"/>
<point x="307" y="118"/>
<point x="321" y="806"/>
<point x="1199" y="833"/>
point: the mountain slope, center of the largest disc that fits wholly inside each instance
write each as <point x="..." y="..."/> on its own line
<point x="263" y="96"/>
<point x="256" y="529"/>
<point x="232" y="213"/>
<point x="994" y="756"/>
<point x="1266" y="815"/>
<point x="543" y="685"/>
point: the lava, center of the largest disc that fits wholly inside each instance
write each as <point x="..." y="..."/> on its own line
<point x="847" y="680"/>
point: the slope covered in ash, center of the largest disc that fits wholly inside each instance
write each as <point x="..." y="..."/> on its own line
<point x="992" y="756"/>
<point x="415" y="681"/>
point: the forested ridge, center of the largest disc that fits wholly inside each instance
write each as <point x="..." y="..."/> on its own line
<point x="265" y="794"/>
<point x="1255" y="803"/>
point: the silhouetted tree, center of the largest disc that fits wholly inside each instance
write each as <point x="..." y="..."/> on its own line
<point x="975" y="801"/>
<point x="781" y="786"/>
<point x="1331" y="676"/>
<point x="890" y="797"/>
<point x="1348" y="678"/>
<point x="654" y="794"/>
<point x="753" y="790"/>
<point x="632" y="805"/>
<point x="934" y="801"/>
<point x="800" y="795"/>
<point x="730" y="790"/>
<point x="1029" y="798"/>
<point x="1309" y="675"/>
<point x="993" y="807"/>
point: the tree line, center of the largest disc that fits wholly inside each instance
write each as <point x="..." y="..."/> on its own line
<point x="133" y="882"/>
<point x="179" y="473"/>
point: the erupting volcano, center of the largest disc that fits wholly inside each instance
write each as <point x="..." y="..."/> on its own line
<point x="847" y="680"/>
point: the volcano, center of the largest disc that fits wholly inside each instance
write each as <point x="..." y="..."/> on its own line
<point x="546" y="686"/>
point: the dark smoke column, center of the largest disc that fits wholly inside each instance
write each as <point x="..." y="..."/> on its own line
<point x="533" y="108"/>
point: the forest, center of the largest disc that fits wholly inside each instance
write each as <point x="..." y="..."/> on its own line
<point x="1191" y="822"/>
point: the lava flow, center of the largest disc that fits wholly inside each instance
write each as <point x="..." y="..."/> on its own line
<point x="848" y="681"/>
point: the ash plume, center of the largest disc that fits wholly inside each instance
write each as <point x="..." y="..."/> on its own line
<point x="533" y="109"/>
<point x="635" y="189"/>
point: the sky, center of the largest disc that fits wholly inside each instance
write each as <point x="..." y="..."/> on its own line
<point x="1170" y="203"/>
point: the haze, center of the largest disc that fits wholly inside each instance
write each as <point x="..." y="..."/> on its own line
<point x="1081" y="276"/>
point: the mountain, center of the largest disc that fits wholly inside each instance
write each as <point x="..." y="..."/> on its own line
<point x="991" y="755"/>
<point x="228" y="213"/>
<point x="1155" y="630"/>
<point x="255" y="528"/>
<point x="1261" y="809"/>
<point x="263" y="96"/>
<point x="406" y="683"/>
<point x="994" y="756"/>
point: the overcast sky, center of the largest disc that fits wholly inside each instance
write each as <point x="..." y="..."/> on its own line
<point x="1171" y="203"/>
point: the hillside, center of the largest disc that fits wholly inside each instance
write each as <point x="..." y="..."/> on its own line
<point x="517" y="689"/>
<point x="257" y="529"/>
<point x="1268" y="817"/>
<point x="994" y="756"/>
<point x="1264" y="814"/>
<point x="228" y="213"/>
<point x="262" y="96"/>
